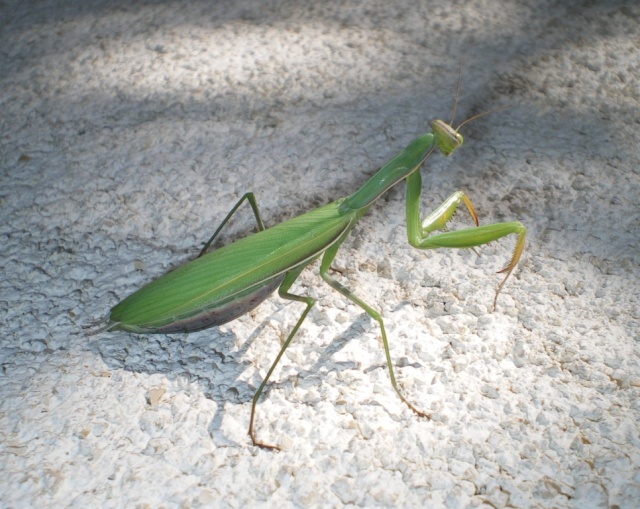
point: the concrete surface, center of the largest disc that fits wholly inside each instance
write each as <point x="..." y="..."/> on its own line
<point x="129" y="129"/>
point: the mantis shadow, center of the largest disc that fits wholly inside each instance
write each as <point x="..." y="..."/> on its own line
<point x="212" y="360"/>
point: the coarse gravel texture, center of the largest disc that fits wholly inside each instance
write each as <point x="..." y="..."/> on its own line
<point x="129" y="129"/>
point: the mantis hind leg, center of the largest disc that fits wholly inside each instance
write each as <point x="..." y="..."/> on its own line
<point x="328" y="258"/>
<point x="421" y="234"/>
<point x="283" y="291"/>
<point x="256" y="212"/>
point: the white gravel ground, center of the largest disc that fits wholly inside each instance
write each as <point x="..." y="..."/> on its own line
<point x="128" y="130"/>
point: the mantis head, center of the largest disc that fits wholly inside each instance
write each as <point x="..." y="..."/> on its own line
<point x="447" y="139"/>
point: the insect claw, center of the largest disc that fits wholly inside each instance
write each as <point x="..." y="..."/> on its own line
<point x="266" y="446"/>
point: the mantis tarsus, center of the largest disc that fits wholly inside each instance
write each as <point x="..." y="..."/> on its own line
<point x="220" y="286"/>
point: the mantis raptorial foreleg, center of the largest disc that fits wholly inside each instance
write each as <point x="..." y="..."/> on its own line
<point x="421" y="236"/>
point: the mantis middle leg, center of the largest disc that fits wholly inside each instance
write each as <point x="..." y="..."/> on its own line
<point x="327" y="260"/>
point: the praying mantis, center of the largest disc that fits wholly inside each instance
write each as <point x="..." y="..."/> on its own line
<point x="222" y="285"/>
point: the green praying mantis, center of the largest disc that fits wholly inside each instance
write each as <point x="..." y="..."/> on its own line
<point x="228" y="282"/>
